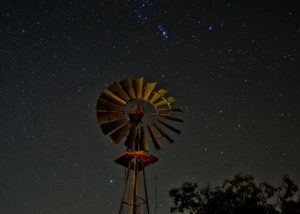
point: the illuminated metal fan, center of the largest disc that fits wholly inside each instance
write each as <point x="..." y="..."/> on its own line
<point x="128" y="111"/>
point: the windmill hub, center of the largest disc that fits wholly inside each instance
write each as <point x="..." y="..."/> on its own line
<point x="140" y="112"/>
<point x="136" y="115"/>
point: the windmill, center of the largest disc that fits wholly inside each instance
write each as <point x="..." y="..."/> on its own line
<point x="131" y="111"/>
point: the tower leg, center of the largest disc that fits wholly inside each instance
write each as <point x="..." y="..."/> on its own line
<point x="135" y="183"/>
<point x="126" y="176"/>
<point x="146" y="192"/>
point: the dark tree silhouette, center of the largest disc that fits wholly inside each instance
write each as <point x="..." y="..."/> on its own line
<point x="241" y="195"/>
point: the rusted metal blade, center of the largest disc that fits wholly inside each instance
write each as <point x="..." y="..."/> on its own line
<point x="103" y="105"/>
<point x="103" y="117"/>
<point x="112" y="125"/>
<point x="126" y="83"/>
<point x="149" y="87"/>
<point x="169" y="126"/>
<point x="110" y="96"/>
<point x="163" y="133"/>
<point x="171" y="118"/>
<point x="166" y="101"/>
<point x="138" y="85"/>
<point x="143" y="142"/>
<point x="117" y="135"/>
<point x="117" y="89"/>
<point x="154" y="136"/>
<point x="168" y="110"/>
<point x="158" y="94"/>
<point x="130" y="141"/>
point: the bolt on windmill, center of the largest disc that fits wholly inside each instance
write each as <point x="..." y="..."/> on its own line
<point x="130" y="111"/>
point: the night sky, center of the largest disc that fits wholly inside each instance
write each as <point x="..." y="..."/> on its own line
<point x="233" y="66"/>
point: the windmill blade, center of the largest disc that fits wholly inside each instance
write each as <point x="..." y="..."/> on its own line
<point x="103" y="105"/>
<point x="120" y="133"/>
<point x="163" y="133"/>
<point x="158" y="94"/>
<point x="112" y="125"/>
<point x="169" y="126"/>
<point x="143" y="142"/>
<point x="148" y="90"/>
<point x="130" y="141"/>
<point x="103" y="117"/>
<point x="165" y="101"/>
<point x="138" y="85"/>
<point x="154" y="136"/>
<point x="119" y="91"/>
<point x="110" y="96"/>
<point x="171" y="118"/>
<point x="168" y="110"/>
<point x="126" y="83"/>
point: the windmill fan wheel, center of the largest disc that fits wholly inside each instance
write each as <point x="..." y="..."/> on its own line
<point x="133" y="110"/>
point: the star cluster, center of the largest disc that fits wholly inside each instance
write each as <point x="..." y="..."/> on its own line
<point x="232" y="65"/>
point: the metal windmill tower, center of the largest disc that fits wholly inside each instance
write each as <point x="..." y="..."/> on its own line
<point x="129" y="112"/>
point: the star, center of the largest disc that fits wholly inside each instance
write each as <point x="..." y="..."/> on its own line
<point x="163" y="32"/>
